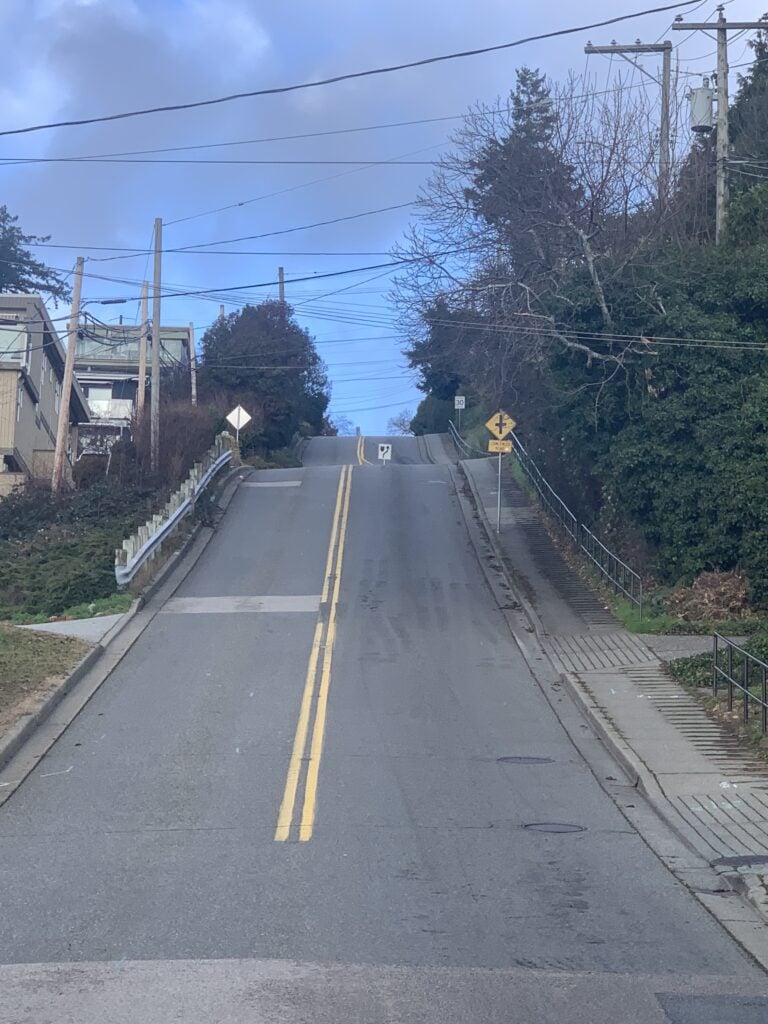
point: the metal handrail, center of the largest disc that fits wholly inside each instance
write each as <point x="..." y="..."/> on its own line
<point x="751" y="668"/>
<point x="549" y="497"/>
<point x="461" y="445"/>
<point x="614" y="570"/>
<point x="624" y="579"/>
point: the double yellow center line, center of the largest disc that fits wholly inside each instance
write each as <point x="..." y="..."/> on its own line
<point x="304" y="767"/>
<point x="361" y="459"/>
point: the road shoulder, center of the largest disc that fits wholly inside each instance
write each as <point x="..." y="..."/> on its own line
<point x="663" y="821"/>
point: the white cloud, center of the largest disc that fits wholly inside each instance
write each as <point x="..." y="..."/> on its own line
<point x="225" y="31"/>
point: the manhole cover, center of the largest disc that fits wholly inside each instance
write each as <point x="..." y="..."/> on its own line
<point x="553" y="826"/>
<point x="525" y="760"/>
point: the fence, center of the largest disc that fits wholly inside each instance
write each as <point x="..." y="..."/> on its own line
<point x="605" y="562"/>
<point x="142" y="546"/>
<point x="742" y="672"/>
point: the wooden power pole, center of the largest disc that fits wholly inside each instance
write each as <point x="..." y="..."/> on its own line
<point x="154" y="412"/>
<point x="192" y="364"/>
<point x="665" y="49"/>
<point x="62" y="432"/>
<point x="142" y="385"/>
<point x="722" y="26"/>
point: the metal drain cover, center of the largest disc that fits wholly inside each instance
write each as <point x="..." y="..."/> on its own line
<point x="553" y="826"/>
<point x="522" y="759"/>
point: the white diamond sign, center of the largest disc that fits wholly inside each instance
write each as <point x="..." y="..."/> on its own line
<point x="239" y="418"/>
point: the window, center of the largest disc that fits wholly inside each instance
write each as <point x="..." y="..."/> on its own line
<point x="57" y="397"/>
<point x="99" y="393"/>
<point x="14" y="343"/>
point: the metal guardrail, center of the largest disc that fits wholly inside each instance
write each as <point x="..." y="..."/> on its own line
<point x="141" y="546"/>
<point x="743" y="672"/>
<point x="622" y="577"/>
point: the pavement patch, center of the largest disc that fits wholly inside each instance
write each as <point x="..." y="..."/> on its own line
<point x="237" y="604"/>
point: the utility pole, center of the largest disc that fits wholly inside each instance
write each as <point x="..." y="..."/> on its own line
<point x="142" y="385"/>
<point x="281" y="284"/>
<point x="154" y="443"/>
<point x="62" y="431"/>
<point x="723" y="137"/>
<point x="722" y="26"/>
<point x="193" y="363"/>
<point x="665" y="49"/>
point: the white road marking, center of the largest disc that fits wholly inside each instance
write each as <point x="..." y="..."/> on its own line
<point x="47" y="775"/>
<point x="275" y="483"/>
<point x="243" y="603"/>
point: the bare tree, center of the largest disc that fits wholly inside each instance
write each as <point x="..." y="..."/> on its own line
<point x="401" y="423"/>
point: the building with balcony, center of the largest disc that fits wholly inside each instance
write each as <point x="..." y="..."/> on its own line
<point x="31" y="374"/>
<point x="107" y="369"/>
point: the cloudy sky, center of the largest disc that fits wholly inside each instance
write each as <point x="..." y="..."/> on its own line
<point x="67" y="59"/>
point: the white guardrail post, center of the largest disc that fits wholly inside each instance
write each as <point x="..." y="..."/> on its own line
<point x="143" y="545"/>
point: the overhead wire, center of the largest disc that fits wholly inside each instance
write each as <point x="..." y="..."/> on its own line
<point x="349" y="76"/>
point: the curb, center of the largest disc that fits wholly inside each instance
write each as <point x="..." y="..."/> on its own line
<point x="14" y="739"/>
<point x="747" y="885"/>
<point x="17" y="736"/>
<point x="423" y="445"/>
<point x="530" y="612"/>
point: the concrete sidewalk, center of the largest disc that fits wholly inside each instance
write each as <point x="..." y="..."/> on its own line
<point x="697" y="775"/>
<point x="93" y="629"/>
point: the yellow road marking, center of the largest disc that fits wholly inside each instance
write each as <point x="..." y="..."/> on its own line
<point x="361" y="459"/>
<point x="285" y="814"/>
<point x="324" y="639"/>
<point x="318" y="733"/>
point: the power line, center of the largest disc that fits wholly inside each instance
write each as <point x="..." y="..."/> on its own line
<point x="271" y="234"/>
<point x="19" y="161"/>
<point x="281" y="90"/>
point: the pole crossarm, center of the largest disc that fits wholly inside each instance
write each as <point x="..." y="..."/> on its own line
<point x="707" y="26"/>
<point x="630" y="48"/>
<point x="665" y="49"/>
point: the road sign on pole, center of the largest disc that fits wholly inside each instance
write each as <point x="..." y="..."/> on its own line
<point x="385" y="452"/>
<point x="239" y="418"/>
<point x="500" y="424"/>
<point x="500" y="447"/>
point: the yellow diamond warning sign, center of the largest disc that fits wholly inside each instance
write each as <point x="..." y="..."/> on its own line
<point x="500" y="424"/>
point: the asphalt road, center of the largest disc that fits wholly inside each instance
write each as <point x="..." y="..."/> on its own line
<point x="287" y="802"/>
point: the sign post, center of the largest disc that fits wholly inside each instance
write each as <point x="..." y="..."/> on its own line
<point x="500" y="425"/>
<point x="459" y="403"/>
<point x="239" y="418"/>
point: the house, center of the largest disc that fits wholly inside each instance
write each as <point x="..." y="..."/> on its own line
<point x="107" y="369"/>
<point x="31" y="375"/>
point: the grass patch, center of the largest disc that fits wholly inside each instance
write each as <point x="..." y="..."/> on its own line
<point x="57" y="554"/>
<point x="656" y="621"/>
<point x="695" y="671"/>
<point x="115" y="604"/>
<point x="30" y="663"/>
